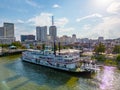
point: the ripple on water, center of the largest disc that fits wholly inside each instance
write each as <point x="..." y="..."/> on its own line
<point x="107" y="78"/>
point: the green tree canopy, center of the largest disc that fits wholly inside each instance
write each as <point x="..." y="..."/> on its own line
<point x="99" y="48"/>
<point x="118" y="58"/>
<point x="116" y="49"/>
<point x="4" y="45"/>
<point x="17" y="44"/>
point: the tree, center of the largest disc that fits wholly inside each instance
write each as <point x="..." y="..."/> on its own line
<point x="118" y="61"/>
<point x="39" y="47"/>
<point x="99" y="48"/>
<point x="4" y="45"/>
<point x="23" y="47"/>
<point x="31" y="46"/>
<point x="116" y="49"/>
<point x="43" y="46"/>
<point x="118" y="58"/>
<point x="17" y="44"/>
<point x="100" y="57"/>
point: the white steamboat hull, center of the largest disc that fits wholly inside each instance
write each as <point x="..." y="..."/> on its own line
<point x="54" y="67"/>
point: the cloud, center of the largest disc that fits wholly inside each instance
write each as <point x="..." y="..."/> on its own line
<point x="56" y="6"/>
<point x="66" y="29"/>
<point x="2" y="20"/>
<point x="87" y="27"/>
<point x="20" y="21"/>
<point x="89" y="16"/>
<point x="61" y="22"/>
<point x="33" y="3"/>
<point x="114" y="8"/>
<point x="44" y="19"/>
<point x="109" y="28"/>
<point x="23" y="30"/>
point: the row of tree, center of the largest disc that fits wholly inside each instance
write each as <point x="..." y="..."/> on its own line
<point x="16" y="43"/>
<point x="101" y="49"/>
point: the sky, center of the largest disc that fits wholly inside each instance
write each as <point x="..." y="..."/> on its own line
<point x="85" y="18"/>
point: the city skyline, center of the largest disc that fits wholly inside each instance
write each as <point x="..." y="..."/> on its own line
<point x="88" y="18"/>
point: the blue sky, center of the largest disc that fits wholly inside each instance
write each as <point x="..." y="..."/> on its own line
<point x="85" y="18"/>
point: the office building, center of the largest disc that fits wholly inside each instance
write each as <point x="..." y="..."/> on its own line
<point x="100" y="39"/>
<point x="65" y="40"/>
<point x="1" y="31"/>
<point x="6" y="40"/>
<point x="9" y="29"/>
<point x="27" y="38"/>
<point x="7" y="33"/>
<point x="73" y="38"/>
<point x="41" y="33"/>
<point x="53" y="31"/>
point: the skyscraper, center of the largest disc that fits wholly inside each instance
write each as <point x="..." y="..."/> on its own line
<point x="7" y="33"/>
<point x="73" y="38"/>
<point x="1" y="31"/>
<point x="9" y="30"/>
<point x="41" y="33"/>
<point x="53" y="31"/>
<point x="101" y="39"/>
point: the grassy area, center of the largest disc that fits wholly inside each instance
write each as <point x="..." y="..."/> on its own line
<point x="110" y="62"/>
<point x="105" y="60"/>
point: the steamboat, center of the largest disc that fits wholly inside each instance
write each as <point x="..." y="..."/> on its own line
<point x="68" y="60"/>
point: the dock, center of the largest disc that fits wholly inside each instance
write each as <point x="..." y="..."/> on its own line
<point x="11" y="52"/>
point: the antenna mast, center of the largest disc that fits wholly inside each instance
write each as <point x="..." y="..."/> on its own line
<point x="52" y="20"/>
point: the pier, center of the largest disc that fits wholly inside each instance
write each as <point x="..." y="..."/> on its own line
<point x="11" y="52"/>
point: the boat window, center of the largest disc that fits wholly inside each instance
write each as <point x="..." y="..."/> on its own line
<point x="60" y="59"/>
<point x="65" y="56"/>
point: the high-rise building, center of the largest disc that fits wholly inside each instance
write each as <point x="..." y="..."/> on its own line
<point x="53" y="31"/>
<point x="101" y="39"/>
<point x="1" y="31"/>
<point x="65" y="40"/>
<point x="41" y="33"/>
<point x="7" y="33"/>
<point x="27" y="37"/>
<point x="9" y="30"/>
<point x="73" y="38"/>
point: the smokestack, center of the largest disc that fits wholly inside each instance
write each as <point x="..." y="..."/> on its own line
<point x="52" y="20"/>
<point x="59" y="47"/>
<point x="54" y="49"/>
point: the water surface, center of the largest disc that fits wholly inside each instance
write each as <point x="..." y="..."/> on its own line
<point x="18" y="75"/>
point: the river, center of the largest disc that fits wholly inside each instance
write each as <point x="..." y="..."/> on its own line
<point x="18" y="75"/>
